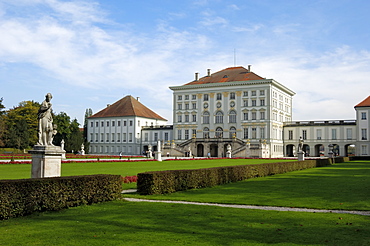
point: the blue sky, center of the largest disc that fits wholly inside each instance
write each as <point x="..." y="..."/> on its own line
<point x="92" y="53"/>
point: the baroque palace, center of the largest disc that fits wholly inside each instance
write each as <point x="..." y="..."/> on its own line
<point x="231" y="110"/>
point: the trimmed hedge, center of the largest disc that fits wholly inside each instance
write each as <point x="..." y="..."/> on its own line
<point x="160" y="182"/>
<point x="25" y="196"/>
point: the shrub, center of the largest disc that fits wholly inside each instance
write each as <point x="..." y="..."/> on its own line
<point x="25" y="196"/>
<point x="160" y="182"/>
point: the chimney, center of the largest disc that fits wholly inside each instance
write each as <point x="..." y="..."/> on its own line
<point x="208" y="72"/>
<point x="138" y="99"/>
<point x="249" y="68"/>
<point x="108" y="105"/>
<point x="196" y="76"/>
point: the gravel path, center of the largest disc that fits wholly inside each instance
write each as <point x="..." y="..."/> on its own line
<point x="309" y="210"/>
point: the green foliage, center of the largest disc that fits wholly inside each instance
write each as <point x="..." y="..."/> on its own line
<point x="22" y="197"/>
<point x="161" y="182"/>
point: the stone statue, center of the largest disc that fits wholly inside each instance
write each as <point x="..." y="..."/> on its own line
<point x="300" y="144"/>
<point x="46" y="129"/>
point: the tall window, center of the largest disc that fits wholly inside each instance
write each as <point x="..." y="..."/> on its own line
<point x="179" y="106"/>
<point x="364" y="134"/>
<point x="113" y="123"/>
<point x="194" y="105"/>
<point x="179" y="97"/>
<point x="146" y="137"/>
<point x="205" y="97"/>
<point x="334" y="134"/>
<point x="194" y="116"/>
<point x="245" y="131"/>
<point x="97" y="124"/>
<point x="318" y="134"/>
<point x="304" y="134"/>
<point x="186" y="118"/>
<point x="194" y="132"/>
<point x="119" y="123"/>
<point x="262" y="132"/>
<point x="262" y="102"/>
<point x="186" y="134"/>
<point x="349" y="133"/>
<point x="124" y="139"/>
<point x="91" y="124"/>
<point x="232" y="132"/>
<point x="363" y="116"/>
<point x="245" y="116"/>
<point x="245" y="103"/>
<point x="130" y="122"/>
<point x="219" y="117"/>
<point x="193" y="97"/>
<point x="232" y="95"/>
<point x="262" y="115"/>
<point x="156" y="136"/>
<point x="254" y="116"/>
<point x="219" y="96"/>
<point x="290" y="135"/>
<point x="254" y="93"/>
<point x="219" y="132"/>
<point x="254" y="132"/>
<point x="130" y="137"/>
<point x="166" y="136"/>
<point x="186" y="106"/>
<point x="206" y="117"/>
<point x="364" y="149"/>
<point x="262" y="92"/>
<point x="186" y="97"/>
<point x="179" y="134"/>
<point x="179" y="118"/>
<point x="232" y="117"/>
<point x="206" y="132"/>
<point x="254" y="103"/>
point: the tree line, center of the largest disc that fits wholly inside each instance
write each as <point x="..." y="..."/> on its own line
<point x="19" y="126"/>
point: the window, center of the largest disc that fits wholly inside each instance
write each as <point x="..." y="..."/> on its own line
<point x="92" y="124"/>
<point x="194" y="117"/>
<point x="245" y="103"/>
<point x="262" y="132"/>
<point x="179" y="134"/>
<point x="304" y="134"/>
<point x="166" y="136"/>
<point x="179" y="118"/>
<point x="254" y="116"/>
<point x="245" y="93"/>
<point x="219" y="96"/>
<point x="124" y="137"/>
<point x="138" y="123"/>
<point x="364" y="149"/>
<point x="130" y="122"/>
<point x="194" y="132"/>
<point x="219" y="132"/>
<point x="245" y="131"/>
<point x="194" y="105"/>
<point x="219" y="117"/>
<point x="156" y="136"/>
<point x="262" y="115"/>
<point x="232" y="117"/>
<point x="124" y="123"/>
<point x="262" y="102"/>
<point x="349" y="133"/>
<point x="96" y="137"/>
<point x="290" y="135"/>
<point x="254" y="132"/>
<point x="119" y="123"/>
<point x="179" y="97"/>
<point x="186" y="97"/>
<point x="206" y="117"/>
<point x="364" y="134"/>
<point x="186" y="134"/>
<point x="193" y="97"/>
<point x="334" y="134"/>
<point x="186" y="106"/>
<point x="232" y="132"/>
<point x="112" y="137"/>
<point x="363" y="116"/>
<point x="97" y="124"/>
<point x="254" y="93"/>
<point x="206" y="132"/>
<point x="232" y="95"/>
<point x="130" y="137"/>
<point x="102" y="123"/>
<point x="205" y="97"/>
<point x="107" y="137"/>
<point x="186" y="118"/>
<point x="118" y="137"/>
<point x="245" y="116"/>
<point x="179" y="106"/>
<point x="102" y="137"/>
<point x="262" y="93"/>
<point x="113" y="123"/>
<point x="318" y="134"/>
<point x="254" y="103"/>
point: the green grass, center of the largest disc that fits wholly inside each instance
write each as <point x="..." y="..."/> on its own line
<point x="341" y="186"/>
<point x="124" y="223"/>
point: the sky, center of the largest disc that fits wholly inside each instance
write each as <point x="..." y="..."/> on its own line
<point x="92" y="53"/>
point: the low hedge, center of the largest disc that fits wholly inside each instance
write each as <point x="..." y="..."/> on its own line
<point x="160" y="182"/>
<point x="25" y="196"/>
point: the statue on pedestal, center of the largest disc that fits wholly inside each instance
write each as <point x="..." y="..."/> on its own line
<point x="46" y="130"/>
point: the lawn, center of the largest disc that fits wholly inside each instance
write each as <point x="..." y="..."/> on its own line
<point x="341" y="186"/>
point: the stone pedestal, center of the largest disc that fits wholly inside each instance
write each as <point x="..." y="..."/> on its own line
<point x="301" y="156"/>
<point x="46" y="161"/>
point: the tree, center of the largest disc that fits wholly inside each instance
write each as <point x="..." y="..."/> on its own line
<point x="62" y="121"/>
<point x="2" y="124"/>
<point x="88" y="113"/>
<point x="75" y="139"/>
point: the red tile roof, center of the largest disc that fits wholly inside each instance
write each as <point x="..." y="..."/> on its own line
<point x="230" y="74"/>
<point x="127" y="106"/>
<point x="364" y="103"/>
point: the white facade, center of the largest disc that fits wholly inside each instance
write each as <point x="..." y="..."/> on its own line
<point x="252" y="111"/>
<point x="363" y="127"/>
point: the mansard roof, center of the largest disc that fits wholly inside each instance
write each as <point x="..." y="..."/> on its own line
<point x="364" y="103"/>
<point x="127" y="106"/>
<point x="230" y="74"/>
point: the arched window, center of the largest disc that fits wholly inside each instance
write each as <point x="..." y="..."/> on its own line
<point x="232" y="132"/>
<point x="206" y="117"/>
<point x="219" y="117"/>
<point x="206" y="132"/>
<point x="232" y="116"/>
<point x="219" y="132"/>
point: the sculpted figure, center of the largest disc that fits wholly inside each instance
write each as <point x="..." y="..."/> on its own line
<point x="46" y="129"/>
<point x="300" y="144"/>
